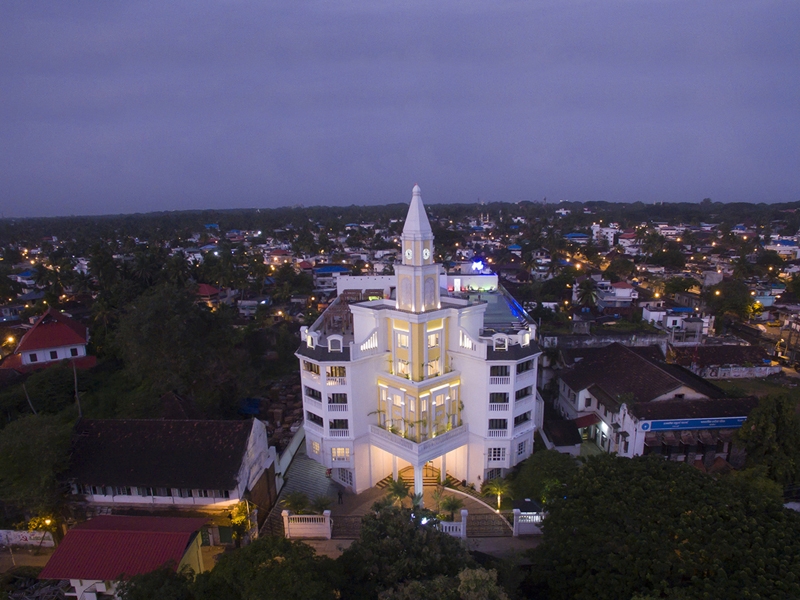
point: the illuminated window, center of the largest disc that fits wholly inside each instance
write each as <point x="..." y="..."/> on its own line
<point x="433" y="340"/>
<point x="402" y="340"/>
<point x="497" y="454"/>
<point x="315" y="447"/>
<point x="340" y="453"/>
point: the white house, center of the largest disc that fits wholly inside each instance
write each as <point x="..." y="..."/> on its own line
<point x="422" y="379"/>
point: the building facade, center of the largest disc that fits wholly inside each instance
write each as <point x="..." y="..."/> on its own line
<point x="425" y="378"/>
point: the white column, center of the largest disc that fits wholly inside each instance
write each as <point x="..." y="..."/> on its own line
<point x="443" y="470"/>
<point x="394" y="468"/>
<point x="285" y="515"/>
<point x="418" y="479"/>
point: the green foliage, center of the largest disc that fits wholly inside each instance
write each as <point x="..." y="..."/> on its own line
<point x="650" y="527"/>
<point x="470" y="584"/>
<point x="320" y="504"/>
<point x="498" y="487"/>
<point x="619" y="269"/>
<point x="34" y="451"/>
<point x="295" y="502"/>
<point x="771" y="437"/>
<point x="397" y="490"/>
<point x="451" y="504"/>
<point x="673" y="285"/>
<point x="543" y="475"/>
<point x="733" y="298"/>
<point x="270" y="568"/>
<point x="395" y="548"/>
<point x="164" y="583"/>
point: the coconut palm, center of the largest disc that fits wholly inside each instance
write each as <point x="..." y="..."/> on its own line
<point x="451" y="504"/>
<point x="587" y="292"/>
<point x="496" y="487"/>
<point x="295" y="502"/>
<point x="438" y="496"/>
<point x="321" y="503"/>
<point x="397" y="490"/>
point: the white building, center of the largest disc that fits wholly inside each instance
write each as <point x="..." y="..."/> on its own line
<point x="421" y="379"/>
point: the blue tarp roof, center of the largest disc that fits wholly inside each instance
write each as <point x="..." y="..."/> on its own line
<point x="331" y="269"/>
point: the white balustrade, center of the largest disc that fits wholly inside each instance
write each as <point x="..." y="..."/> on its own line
<point x="313" y="427"/>
<point x="337" y="407"/>
<point x="498" y="433"/>
<point x="499" y="380"/>
<point x="498" y="407"/>
<point x="339" y="433"/>
<point x="336" y="381"/>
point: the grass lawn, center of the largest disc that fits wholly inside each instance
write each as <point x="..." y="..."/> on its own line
<point x="777" y="384"/>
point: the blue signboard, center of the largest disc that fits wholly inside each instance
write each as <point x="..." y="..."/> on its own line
<point x="678" y="424"/>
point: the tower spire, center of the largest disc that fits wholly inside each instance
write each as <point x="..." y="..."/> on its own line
<point x="417" y="224"/>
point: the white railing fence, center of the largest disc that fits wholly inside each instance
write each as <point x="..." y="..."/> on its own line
<point x="307" y="526"/>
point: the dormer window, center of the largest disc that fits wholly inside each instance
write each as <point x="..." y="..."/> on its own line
<point x="335" y="343"/>
<point x="501" y="343"/>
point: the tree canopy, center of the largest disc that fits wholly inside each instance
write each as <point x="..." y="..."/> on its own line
<point x="661" y="529"/>
<point x="544" y="473"/>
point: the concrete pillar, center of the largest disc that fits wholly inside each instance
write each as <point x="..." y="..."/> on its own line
<point x="394" y="468"/>
<point x="516" y="521"/>
<point x="418" y="479"/>
<point x="329" y="523"/>
<point x="463" y="523"/>
<point x="285" y="515"/>
<point x="443" y="470"/>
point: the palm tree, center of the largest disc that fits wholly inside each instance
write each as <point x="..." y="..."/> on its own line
<point x="496" y="487"/>
<point x="587" y="292"/>
<point x="321" y="503"/>
<point x="398" y="490"/>
<point x="451" y="504"/>
<point x="438" y="496"/>
<point x="295" y="502"/>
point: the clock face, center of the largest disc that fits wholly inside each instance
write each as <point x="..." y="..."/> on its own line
<point x="409" y="254"/>
<point x="426" y="254"/>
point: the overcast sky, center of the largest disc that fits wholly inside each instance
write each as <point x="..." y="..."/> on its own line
<point x="124" y="106"/>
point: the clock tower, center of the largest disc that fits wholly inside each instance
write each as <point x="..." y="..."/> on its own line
<point x="417" y="275"/>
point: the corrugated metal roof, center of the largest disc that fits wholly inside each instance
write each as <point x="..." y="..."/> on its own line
<point x="53" y="330"/>
<point x="116" y="547"/>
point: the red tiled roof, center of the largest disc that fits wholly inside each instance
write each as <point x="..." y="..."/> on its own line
<point x="304" y="264"/>
<point x="108" y="547"/>
<point x="53" y="330"/>
<point x="622" y="285"/>
<point x="206" y="290"/>
<point x="586" y="421"/>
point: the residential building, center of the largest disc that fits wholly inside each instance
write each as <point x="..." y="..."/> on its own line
<point x="424" y="378"/>
<point x="161" y="464"/>
<point x="95" y="555"/>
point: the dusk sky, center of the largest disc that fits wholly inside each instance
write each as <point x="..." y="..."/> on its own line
<point x="124" y="106"/>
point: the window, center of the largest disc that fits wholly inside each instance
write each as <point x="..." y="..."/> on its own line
<point x="433" y="340"/>
<point x="337" y="398"/>
<point x="32" y="357"/>
<point x="399" y="400"/>
<point x="338" y="424"/>
<point x="222" y="494"/>
<point x="402" y="367"/>
<point x="523" y="393"/>
<point x="315" y="394"/>
<point x="201" y="494"/>
<point x="346" y="476"/>
<point x="310" y="367"/>
<point x="501" y="343"/>
<point x="340" y="453"/>
<point x="315" y="447"/>
<point x="53" y="354"/>
<point x="163" y="492"/>
<point x="337" y="371"/>
<point x="499" y="371"/>
<point x="588" y="402"/>
<point x="433" y="368"/>
<point x="145" y="491"/>
<point x="525" y="366"/>
<point x="184" y="493"/>
<point x="493" y="474"/>
<point x="498" y="397"/>
<point x="402" y="340"/>
<point x="73" y="352"/>
<point x="521" y="448"/>
<point x="122" y="491"/>
<point x="314" y="418"/>
<point x="498" y="424"/>
<point x="523" y="418"/>
<point x="497" y="454"/>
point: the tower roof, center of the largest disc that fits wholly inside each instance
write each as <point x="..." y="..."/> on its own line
<point x="417" y="223"/>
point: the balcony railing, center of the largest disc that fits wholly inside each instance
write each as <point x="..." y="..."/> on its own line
<point x="311" y="375"/>
<point x="340" y="433"/>
<point x="499" y="380"/>
<point x="498" y="433"/>
<point x="336" y="381"/>
<point x="313" y="402"/>
<point x="498" y="407"/>
<point x="313" y="427"/>
<point x="419" y="452"/>
<point x="337" y="407"/>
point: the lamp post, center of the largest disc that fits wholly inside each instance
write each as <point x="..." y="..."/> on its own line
<point x="47" y="525"/>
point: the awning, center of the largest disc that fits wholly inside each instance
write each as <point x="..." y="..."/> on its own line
<point x="670" y="439"/>
<point x="688" y="438"/>
<point x="651" y="438"/>
<point x="586" y="421"/>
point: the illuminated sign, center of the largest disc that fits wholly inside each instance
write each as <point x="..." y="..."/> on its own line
<point x="678" y="424"/>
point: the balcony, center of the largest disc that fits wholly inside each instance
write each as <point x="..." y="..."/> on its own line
<point x="313" y="403"/>
<point x="339" y="433"/>
<point x="499" y="380"/>
<point x="313" y="427"/>
<point x="311" y="376"/>
<point x="523" y="428"/>
<point x="525" y="402"/>
<point x="498" y="407"/>
<point x="498" y="433"/>
<point x="418" y="453"/>
<point x="337" y="407"/>
<point x="336" y="381"/>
